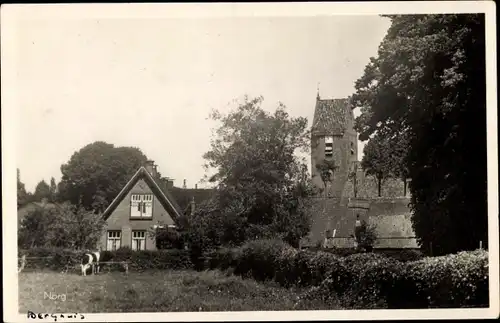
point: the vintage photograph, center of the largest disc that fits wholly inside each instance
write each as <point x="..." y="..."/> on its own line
<point x="235" y="163"/>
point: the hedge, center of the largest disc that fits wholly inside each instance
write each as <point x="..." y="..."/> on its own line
<point x="138" y="260"/>
<point x="367" y="279"/>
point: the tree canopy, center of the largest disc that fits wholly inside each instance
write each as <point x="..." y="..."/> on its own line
<point x="428" y="83"/>
<point x="42" y="191"/>
<point x="95" y="174"/>
<point x="377" y="159"/>
<point x="64" y="226"/>
<point x="53" y="190"/>
<point x="260" y="181"/>
<point x="23" y="197"/>
<point x="326" y="169"/>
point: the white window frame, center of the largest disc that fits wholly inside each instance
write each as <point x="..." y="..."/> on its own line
<point x="138" y="236"/>
<point x="141" y="206"/>
<point x="114" y="237"/>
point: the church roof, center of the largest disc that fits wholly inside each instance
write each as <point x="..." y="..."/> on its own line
<point x="391" y="217"/>
<point x="330" y="116"/>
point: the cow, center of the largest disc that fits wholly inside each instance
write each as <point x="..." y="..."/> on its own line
<point x="90" y="260"/>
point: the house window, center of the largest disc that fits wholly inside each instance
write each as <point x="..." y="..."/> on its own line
<point x="114" y="240"/>
<point x="328" y="146"/>
<point x="138" y="240"/>
<point x="141" y="205"/>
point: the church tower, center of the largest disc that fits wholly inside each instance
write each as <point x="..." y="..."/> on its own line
<point x="333" y="137"/>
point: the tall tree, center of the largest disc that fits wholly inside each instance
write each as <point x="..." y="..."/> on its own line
<point x="42" y="191"/>
<point x="326" y="169"/>
<point x="399" y="146"/>
<point x="53" y="190"/>
<point x="23" y="196"/>
<point x="260" y="187"/>
<point x="428" y="81"/>
<point x="377" y="160"/>
<point x="353" y="176"/>
<point x="95" y="174"/>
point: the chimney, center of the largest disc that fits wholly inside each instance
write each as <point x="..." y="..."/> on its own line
<point x="195" y="186"/>
<point x="150" y="167"/>
<point x="184" y="185"/>
<point x="168" y="183"/>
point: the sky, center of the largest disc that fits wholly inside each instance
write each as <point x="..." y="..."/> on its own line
<point x="152" y="83"/>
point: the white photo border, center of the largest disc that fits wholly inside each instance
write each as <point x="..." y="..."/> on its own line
<point x="12" y="14"/>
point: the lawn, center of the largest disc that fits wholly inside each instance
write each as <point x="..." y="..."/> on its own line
<point x="155" y="291"/>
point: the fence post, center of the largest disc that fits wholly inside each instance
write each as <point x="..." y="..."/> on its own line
<point x="23" y="263"/>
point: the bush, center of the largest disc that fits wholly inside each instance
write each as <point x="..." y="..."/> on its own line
<point x="372" y="278"/>
<point x="455" y="280"/>
<point x="403" y="255"/>
<point x="259" y="258"/>
<point x="366" y="280"/>
<point x="223" y="258"/>
<point x="324" y="264"/>
<point x="154" y="259"/>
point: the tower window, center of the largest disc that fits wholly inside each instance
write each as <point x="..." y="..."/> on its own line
<point x="328" y="146"/>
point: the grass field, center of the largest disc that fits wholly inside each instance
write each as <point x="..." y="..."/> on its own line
<point x="155" y="291"/>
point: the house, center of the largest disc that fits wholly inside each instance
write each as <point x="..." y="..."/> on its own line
<point x="142" y="206"/>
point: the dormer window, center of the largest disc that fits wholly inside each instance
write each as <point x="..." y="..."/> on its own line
<point x="141" y="206"/>
<point x="328" y="146"/>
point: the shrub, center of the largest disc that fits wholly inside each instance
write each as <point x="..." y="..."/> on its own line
<point x="258" y="258"/>
<point x="373" y="280"/>
<point x="157" y="259"/>
<point x="455" y="280"/>
<point x="285" y="264"/>
<point x="367" y="280"/>
<point x="322" y="265"/>
<point x="222" y="258"/>
<point x="403" y="255"/>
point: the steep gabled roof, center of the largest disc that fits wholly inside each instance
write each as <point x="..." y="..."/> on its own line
<point x="184" y="196"/>
<point x="167" y="194"/>
<point x="330" y="116"/>
<point x="164" y="197"/>
<point x="392" y="219"/>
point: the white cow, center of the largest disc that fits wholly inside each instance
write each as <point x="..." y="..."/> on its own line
<point x="90" y="260"/>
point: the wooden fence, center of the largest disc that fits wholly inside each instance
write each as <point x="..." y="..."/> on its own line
<point x="24" y="260"/>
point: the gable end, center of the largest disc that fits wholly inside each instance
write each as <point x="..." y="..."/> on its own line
<point x="165" y="200"/>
